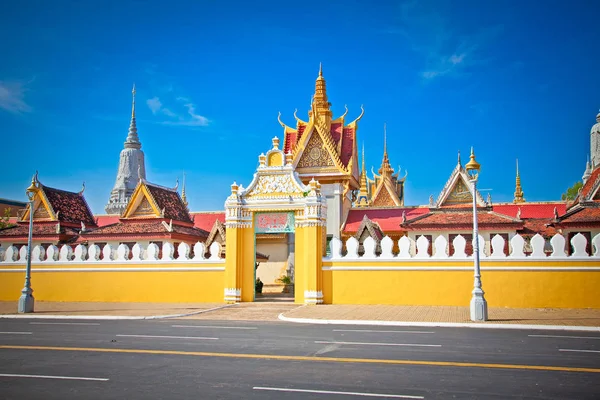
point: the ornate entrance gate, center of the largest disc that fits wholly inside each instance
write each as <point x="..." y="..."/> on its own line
<point x="275" y="201"/>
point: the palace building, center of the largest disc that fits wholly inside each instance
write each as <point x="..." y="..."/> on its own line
<point x="318" y="168"/>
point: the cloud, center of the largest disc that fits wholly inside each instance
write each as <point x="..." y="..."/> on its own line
<point x="12" y="97"/>
<point x="444" y="50"/>
<point x="154" y="104"/>
<point x="187" y="117"/>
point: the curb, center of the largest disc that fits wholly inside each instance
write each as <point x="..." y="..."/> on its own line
<point x="110" y="317"/>
<point x="438" y="324"/>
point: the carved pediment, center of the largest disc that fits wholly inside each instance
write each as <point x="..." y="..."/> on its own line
<point x="315" y="154"/>
<point x="144" y="209"/>
<point x="459" y="194"/>
<point x="276" y="185"/>
<point x="41" y="212"/>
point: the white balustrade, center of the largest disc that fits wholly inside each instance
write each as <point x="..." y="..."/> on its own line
<point x="369" y="248"/>
<point x="387" y="244"/>
<point x="440" y="244"/>
<point x="52" y="253"/>
<point x="199" y="250"/>
<point x="66" y="253"/>
<point x="167" y="251"/>
<point x="80" y="252"/>
<point x="539" y="248"/>
<point x="215" y="251"/>
<point x="122" y="252"/>
<point x="183" y="251"/>
<point x="38" y="254"/>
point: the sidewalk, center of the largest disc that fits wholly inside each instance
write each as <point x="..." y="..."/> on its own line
<point x="343" y="314"/>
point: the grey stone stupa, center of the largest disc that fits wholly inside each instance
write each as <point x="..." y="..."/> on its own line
<point x="131" y="168"/>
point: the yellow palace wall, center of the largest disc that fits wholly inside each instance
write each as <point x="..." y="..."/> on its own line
<point x="167" y="282"/>
<point x="520" y="284"/>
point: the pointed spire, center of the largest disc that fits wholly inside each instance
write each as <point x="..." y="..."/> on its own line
<point x="363" y="193"/>
<point x="459" y="162"/>
<point x="518" y="190"/>
<point x="588" y="170"/>
<point x="132" y="141"/>
<point x="386" y="168"/>
<point x="183" y="196"/>
<point x="320" y="106"/>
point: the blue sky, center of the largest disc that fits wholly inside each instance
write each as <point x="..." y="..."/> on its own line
<point x="512" y="79"/>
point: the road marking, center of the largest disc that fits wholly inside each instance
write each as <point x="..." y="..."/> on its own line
<point x="72" y="378"/>
<point x="63" y="323"/>
<point x="569" y="337"/>
<point x="389" y="396"/>
<point x="170" y="337"/>
<point x="580" y="351"/>
<point x="15" y="333"/>
<point x="214" y="327"/>
<point x="367" y="330"/>
<point x="381" y="344"/>
<point x="309" y="358"/>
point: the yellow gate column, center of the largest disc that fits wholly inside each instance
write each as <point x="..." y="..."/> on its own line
<point x="309" y="249"/>
<point x="235" y="245"/>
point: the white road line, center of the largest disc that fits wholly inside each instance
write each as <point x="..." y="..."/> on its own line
<point x="382" y="344"/>
<point x="213" y="327"/>
<point x="63" y="323"/>
<point x="170" y="337"/>
<point x="580" y="351"/>
<point x="73" y="378"/>
<point x="367" y="330"/>
<point x="15" y="333"/>
<point x="569" y="337"/>
<point x="389" y="396"/>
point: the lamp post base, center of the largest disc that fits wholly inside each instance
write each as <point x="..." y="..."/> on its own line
<point x="26" y="302"/>
<point x="478" y="306"/>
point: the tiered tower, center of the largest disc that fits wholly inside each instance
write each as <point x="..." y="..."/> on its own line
<point x="131" y="168"/>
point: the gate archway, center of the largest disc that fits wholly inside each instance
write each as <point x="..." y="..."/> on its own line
<point x="277" y="191"/>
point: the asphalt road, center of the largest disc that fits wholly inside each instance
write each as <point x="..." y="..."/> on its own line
<point x="184" y="359"/>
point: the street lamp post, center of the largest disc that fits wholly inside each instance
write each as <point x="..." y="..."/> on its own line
<point x="478" y="303"/>
<point x="26" y="301"/>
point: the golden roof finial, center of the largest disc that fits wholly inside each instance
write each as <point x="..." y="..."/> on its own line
<point x="320" y="105"/>
<point x="459" y="163"/>
<point x="363" y="194"/>
<point x="518" y="189"/>
<point x="363" y="158"/>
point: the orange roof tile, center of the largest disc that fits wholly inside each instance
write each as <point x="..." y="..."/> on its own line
<point x="206" y="220"/>
<point x="531" y="210"/>
<point x="389" y="219"/>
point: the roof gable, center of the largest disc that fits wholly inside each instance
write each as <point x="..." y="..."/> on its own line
<point x="458" y="190"/>
<point x="152" y="201"/>
<point x="52" y="204"/>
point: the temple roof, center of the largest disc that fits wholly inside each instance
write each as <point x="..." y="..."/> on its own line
<point x="68" y="206"/>
<point x="463" y="219"/>
<point x="581" y="217"/>
<point x="50" y="230"/>
<point x="531" y="210"/>
<point x="388" y="219"/>
<point x="141" y="228"/>
<point x="169" y="201"/>
<point x="206" y="219"/>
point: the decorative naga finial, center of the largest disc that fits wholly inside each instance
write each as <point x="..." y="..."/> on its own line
<point x="459" y="162"/>
<point x="279" y="120"/>
<point x="555" y="213"/>
<point x="82" y="227"/>
<point x="296" y="116"/>
<point x="176" y="184"/>
<point x="403" y="216"/>
<point x="362" y="112"/>
<point x="345" y="112"/>
<point x="139" y="172"/>
<point x="519" y="213"/>
<point x="82" y="188"/>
